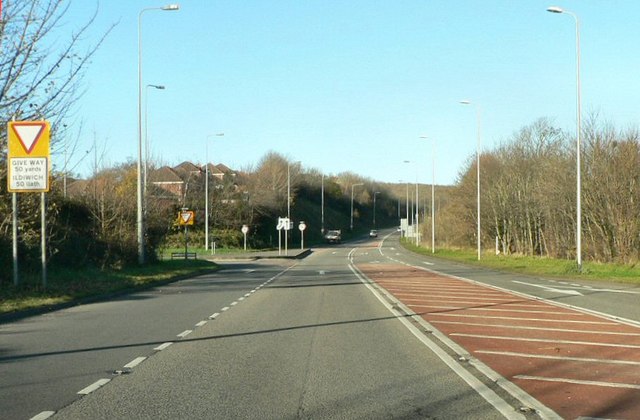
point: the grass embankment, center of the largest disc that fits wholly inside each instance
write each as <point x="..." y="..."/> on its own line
<point x="68" y="285"/>
<point x="538" y="266"/>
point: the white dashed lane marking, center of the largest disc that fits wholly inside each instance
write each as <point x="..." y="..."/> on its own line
<point x="97" y="384"/>
<point x="163" y="346"/>
<point x="44" y="415"/>
<point x="185" y="333"/>
<point x="135" y="362"/>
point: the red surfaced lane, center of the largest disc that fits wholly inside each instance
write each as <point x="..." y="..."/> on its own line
<point x="576" y="363"/>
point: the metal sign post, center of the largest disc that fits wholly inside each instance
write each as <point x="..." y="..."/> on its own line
<point x="302" y="226"/>
<point x="185" y="218"/>
<point x="28" y="170"/>
<point x="244" y="230"/>
<point x="282" y="224"/>
<point x="14" y="230"/>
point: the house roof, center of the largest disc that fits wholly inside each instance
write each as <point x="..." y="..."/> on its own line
<point x="224" y="169"/>
<point x="213" y="169"/>
<point x="164" y="174"/>
<point x="186" y="168"/>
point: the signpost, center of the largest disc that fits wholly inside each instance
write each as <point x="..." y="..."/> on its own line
<point x="302" y="226"/>
<point x="283" y="223"/>
<point x="28" y="169"/>
<point x="185" y="218"/>
<point x="244" y="230"/>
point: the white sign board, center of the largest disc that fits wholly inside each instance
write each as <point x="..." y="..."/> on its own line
<point x="284" y="223"/>
<point x="29" y="174"/>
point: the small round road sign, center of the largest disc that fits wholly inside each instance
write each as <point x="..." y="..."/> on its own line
<point x="302" y="226"/>
<point x="245" y="229"/>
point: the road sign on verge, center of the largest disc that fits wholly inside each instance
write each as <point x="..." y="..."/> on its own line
<point x="186" y="218"/>
<point x="29" y="156"/>
<point x="283" y="223"/>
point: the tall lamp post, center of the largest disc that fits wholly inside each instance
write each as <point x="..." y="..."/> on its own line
<point x="433" y="194"/>
<point x="140" y="193"/>
<point x="409" y="212"/>
<point x="286" y="230"/>
<point x="206" y="189"/>
<point x="352" y="187"/>
<point x="322" y="206"/>
<point x="555" y="9"/>
<point x="467" y="102"/>
<point x="374" y="208"/>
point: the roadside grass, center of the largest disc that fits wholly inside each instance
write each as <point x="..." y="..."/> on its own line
<point x="66" y="285"/>
<point x="165" y="253"/>
<point x="537" y="266"/>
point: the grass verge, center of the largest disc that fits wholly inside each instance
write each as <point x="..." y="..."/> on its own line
<point x="65" y="285"/>
<point x="538" y="266"/>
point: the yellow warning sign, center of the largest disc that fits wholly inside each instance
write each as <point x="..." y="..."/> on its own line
<point x="186" y="218"/>
<point x="29" y="156"/>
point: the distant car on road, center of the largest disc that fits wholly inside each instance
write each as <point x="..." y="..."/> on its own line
<point x="333" y="236"/>
<point x="373" y="233"/>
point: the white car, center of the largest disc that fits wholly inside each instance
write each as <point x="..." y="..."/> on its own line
<point x="373" y="233"/>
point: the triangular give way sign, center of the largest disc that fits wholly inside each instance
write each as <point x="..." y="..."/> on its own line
<point x="29" y="138"/>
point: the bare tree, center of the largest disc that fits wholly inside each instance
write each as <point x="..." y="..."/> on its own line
<point x="41" y="64"/>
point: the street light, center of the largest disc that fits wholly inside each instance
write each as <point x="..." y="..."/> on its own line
<point x="374" y="208"/>
<point x="146" y="136"/>
<point x="467" y="102"/>
<point x="352" y="187"/>
<point x="140" y="193"/>
<point x="417" y="208"/>
<point x="286" y="230"/>
<point x="408" y="161"/>
<point x="555" y="9"/>
<point x="206" y="189"/>
<point x="433" y="194"/>
<point x="322" y="206"/>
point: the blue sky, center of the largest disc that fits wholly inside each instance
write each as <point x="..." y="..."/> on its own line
<point x="350" y="85"/>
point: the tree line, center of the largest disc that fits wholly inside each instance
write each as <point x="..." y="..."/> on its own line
<point x="528" y="194"/>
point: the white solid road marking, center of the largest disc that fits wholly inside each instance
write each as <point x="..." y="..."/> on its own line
<point x="201" y="323"/>
<point x="526" y="319"/>
<point x="573" y="359"/>
<point x="463" y="308"/>
<point x="42" y="416"/>
<point x="522" y="327"/>
<point x="551" y="289"/>
<point x="427" y="262"/>
<point x="579" y="382"/>
<point x="97" y="384"/>
<point x="163" y="346"/>
<point x="135" y="362"/>
<point x="185" y="333"/>
<point x="546" y="340"/>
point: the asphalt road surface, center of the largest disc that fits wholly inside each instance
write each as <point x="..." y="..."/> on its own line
<point x="357" y="331"/>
